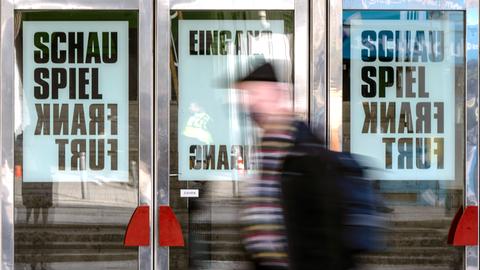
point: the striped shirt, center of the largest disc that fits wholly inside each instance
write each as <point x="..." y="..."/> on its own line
<point x="264" y="228"/>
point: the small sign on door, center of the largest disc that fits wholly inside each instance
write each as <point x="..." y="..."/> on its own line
<point x="189" y="193"/>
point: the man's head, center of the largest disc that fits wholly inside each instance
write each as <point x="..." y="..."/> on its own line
<point x="264" y="95"/>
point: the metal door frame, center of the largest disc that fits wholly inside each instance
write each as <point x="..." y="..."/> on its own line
<point x="162" y="78"/>
<point x="7" y="77"/>
<point x="326" y="72"/>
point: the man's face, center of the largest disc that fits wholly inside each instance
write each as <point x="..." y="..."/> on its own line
<point x="262" y="99"/>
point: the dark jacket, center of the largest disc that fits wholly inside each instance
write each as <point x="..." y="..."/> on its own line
<point x="312" y="205"/>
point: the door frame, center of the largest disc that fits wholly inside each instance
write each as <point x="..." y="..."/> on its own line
<point x="7" y="77"/>
<point x="327" y="80"/>
<point x="163" y="85"/>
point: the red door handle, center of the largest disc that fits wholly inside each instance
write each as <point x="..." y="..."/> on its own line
<point x="465" y="227"/>
<point x="170" y="231"/>
<point x="138" y="229"/>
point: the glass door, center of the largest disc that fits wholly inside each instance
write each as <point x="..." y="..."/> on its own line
<point x="405" y="100"/>
<point x="415" y="124"/>
<point x="212" y="44"/>
<point x="77" y="120"/>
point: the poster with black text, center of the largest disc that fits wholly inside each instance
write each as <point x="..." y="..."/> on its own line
<point x="75" y="101"/>
<point x="402" y="90"/>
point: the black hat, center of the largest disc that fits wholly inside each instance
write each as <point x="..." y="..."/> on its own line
<point x="263" y="73"/>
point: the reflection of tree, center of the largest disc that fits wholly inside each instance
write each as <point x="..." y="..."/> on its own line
<point x="472" y="69"/>
<point x="472" y="101"/>
<point x="472" y="131"/>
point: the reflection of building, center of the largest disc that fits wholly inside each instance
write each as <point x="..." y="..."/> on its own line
<point x="414" y="15"/>
<point x="175" y="98"/>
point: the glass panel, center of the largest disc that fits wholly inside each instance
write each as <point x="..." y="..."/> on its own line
<point x="76" y="139"/>
<point x="403" y="107"/>
<point x="209" y="146"/>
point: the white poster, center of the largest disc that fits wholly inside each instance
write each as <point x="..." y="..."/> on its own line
<point x="402" y="94"/>
<point x="75" y="101"/>
<point x="212" y="54"/>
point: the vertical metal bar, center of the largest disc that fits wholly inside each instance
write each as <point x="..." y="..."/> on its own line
<point x="318" y="67"/>
<point x="334" y="74"/>
<point x="301" y="48"/>
<point x="471" y="113"/>
<point x="6" y="133"/>
<point x="162" y="111"/>
<point x="145" y="87"/>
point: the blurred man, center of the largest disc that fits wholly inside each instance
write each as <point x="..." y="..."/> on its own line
<point x="293" y="214"/>
<point x="268" y="103"/>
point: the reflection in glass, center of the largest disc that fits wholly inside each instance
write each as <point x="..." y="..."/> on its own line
<point x="210" y="139"/>
<point x="420" y="71"/>
<point x="76" y="220"/>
